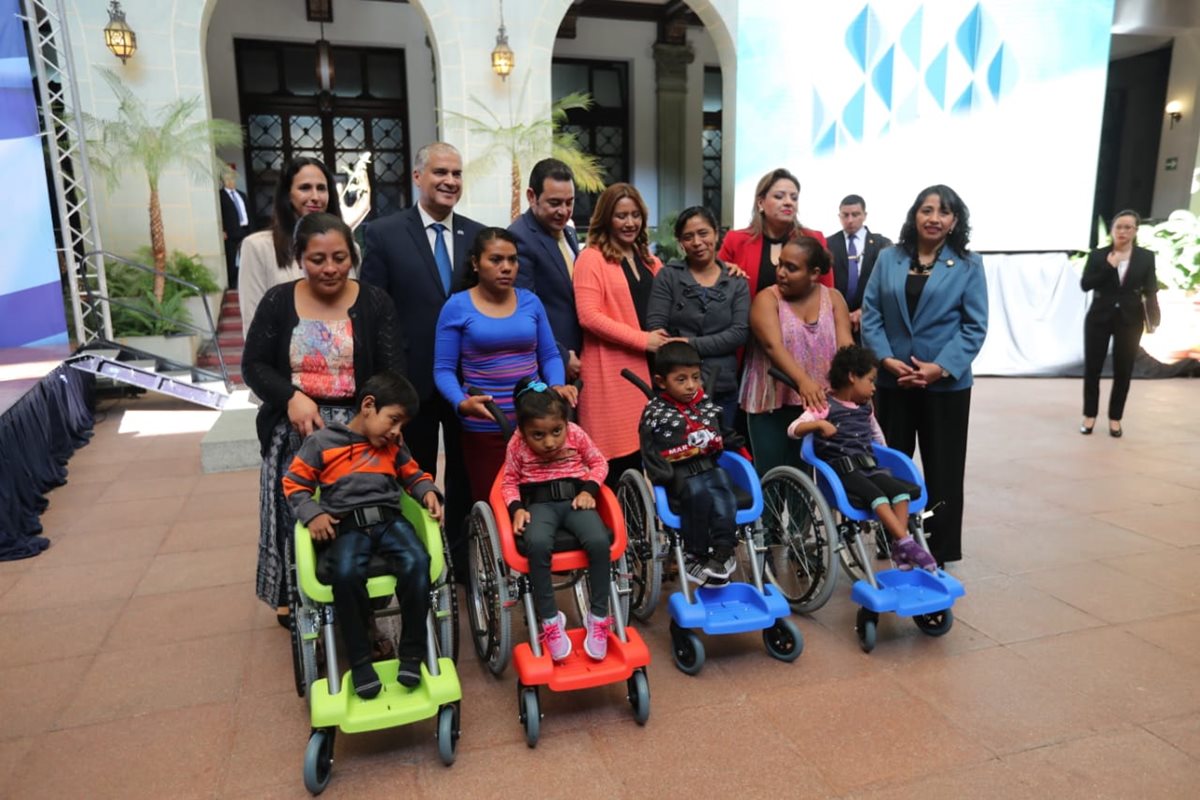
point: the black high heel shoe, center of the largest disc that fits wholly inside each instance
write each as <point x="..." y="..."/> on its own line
<point x="1086" y="430"/>
<point x="1115" y="432"/>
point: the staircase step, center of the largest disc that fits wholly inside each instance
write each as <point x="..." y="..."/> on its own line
<point x="231" y="339"/>
<point x="210" y="360"/>
<point x="230" y="323"/>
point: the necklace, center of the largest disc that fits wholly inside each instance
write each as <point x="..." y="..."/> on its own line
<point x="921" y="268"/>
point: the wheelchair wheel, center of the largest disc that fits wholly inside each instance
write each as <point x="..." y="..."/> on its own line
<point x="491" y="618"/>
<point x="446" y="611"/>
<point x="936" y="624"/>
<point x="318" y="760"/>
<point x="783" y="640"/>
<point x="687" y="650"/>
<point x="447" y="733"/>
<point x="639" y="696"/>
<point x="643" y="551"/>
<point x="531" y="713"/>
<point x="799" y="535"/>
<point x="866" y="624"/>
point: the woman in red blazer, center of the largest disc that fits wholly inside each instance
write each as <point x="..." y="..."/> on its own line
<point x="756" y="249"/>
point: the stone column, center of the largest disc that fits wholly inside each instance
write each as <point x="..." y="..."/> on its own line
<point x="671" y="62"/>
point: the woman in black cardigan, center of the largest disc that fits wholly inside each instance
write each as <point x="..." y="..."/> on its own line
<point x="1125" y="298"/>
<point x="312" y="343"/>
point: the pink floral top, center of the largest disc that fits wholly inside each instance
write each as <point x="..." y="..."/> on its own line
<point x="322" y="358"/>
<point x="812" y="345"/>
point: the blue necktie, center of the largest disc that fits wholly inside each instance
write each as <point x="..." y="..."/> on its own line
<point x="441" y="255"/>
<point x="851" y="266"/>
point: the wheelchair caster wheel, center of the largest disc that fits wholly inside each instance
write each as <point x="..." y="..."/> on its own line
<point x="639" y="696"/>
<point x="936" y="624"/>
<point x="318" y="760"/>
<point x="783" y="640"/>
<point x="447" y="733"/>
<point x="531" y="714"/>
<point x="687" y="650"/>
<point x="865" y="624"/>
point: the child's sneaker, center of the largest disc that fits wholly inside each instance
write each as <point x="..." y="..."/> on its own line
<point x="696" y="569"/>
<point x="906" y="554"/>
<point x="595" y="641"/>
<point x="716" y="571"/>
<point x="366" y="680"/>
<point x="723" y="562"/>
<point x="554" y="637"/>
<point x="409" y="674"/>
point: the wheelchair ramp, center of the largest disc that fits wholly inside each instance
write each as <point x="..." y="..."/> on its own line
<point x="151" y="372"/>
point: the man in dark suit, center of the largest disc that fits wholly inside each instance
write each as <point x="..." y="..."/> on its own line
<point x="235" y="223"/>
<point x="419" y="256"/>
<point x="854" y="249"/>
<point x="546" y="248"/>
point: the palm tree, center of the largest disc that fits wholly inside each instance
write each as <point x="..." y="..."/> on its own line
<point x="522" y="143"/>
<point x="173" y="136"/>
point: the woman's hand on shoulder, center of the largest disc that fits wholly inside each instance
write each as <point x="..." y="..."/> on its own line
<point x="304" y="414"/>
<point x="735" y="270"/>
<point x="568" y="393"/>
<point x="811" y="393"/>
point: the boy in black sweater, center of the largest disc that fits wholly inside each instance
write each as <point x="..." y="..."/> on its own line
<point x="681" y="438"/>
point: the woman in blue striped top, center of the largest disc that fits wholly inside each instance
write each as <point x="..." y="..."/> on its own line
<point x="489" y="337"/>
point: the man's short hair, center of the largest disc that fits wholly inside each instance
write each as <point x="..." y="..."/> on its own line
<point x="853" y="200"/>
<point x="550" y="168"/>
<point x="422" y="157"/>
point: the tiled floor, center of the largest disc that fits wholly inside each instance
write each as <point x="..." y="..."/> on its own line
<point x="136" y="661"/>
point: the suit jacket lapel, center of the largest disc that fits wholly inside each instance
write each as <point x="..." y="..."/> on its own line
<point x="941" y="273"/>
<point x="420" y="241"/>
<point x="461" y="245"/>
<point x="550" y="246"/>
<point x="899" y="278"/>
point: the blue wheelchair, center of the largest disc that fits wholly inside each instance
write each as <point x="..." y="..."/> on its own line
<point x="653" y="528"/>
<point x="925" y="596"/>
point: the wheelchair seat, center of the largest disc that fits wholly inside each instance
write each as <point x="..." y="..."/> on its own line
<point x="744" y="499"/>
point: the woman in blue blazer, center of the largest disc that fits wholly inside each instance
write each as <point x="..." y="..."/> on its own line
<point x="925" y="315"/>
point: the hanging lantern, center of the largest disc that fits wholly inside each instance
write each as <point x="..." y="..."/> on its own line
<point x="119" y="38"/>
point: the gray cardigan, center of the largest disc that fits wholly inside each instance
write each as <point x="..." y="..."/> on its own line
<point x="716" y="326"/>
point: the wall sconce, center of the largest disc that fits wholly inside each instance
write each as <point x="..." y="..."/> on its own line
<point x="1175" y="111"/>
<point x="502" y="54"/>
<point x="119" y="38"/>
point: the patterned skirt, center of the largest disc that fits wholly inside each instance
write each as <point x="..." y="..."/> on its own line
<point x="276" y="522"/>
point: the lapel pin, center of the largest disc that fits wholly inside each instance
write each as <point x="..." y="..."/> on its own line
<point x="950" y="263"/>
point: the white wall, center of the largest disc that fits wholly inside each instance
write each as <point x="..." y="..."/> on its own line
<point x="633" y="42"/>
<point x="393" y="25"/>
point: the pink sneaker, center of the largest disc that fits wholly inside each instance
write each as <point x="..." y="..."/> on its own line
<point x="555" y="639"/>
<point x="595" y="641"/>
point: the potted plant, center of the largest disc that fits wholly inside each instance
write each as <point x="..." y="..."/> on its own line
<point x="1176" y="245"/>
<point x="177" y="135"/>
<point x="521" y="144"/>
<point x="144" y="322"/>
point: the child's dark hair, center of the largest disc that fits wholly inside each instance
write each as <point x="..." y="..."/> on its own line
<point x="673" y="355"/>
<point x="852" y="359"/>
<point x="390" y="389"/>
<point x="533" y="399"/>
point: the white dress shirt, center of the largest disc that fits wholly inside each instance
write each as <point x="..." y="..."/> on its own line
<point x="430" y="233"/>
<point x="243" y="220"/>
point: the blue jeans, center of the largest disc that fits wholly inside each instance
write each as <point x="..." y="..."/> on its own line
<point x="395" y="542"/>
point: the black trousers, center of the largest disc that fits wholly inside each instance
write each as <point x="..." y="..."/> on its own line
<point x="937" y="422"/>
<point x="1097" y="331"/>
<point x="421" y="436"/>
<point x="349" y="555"/>
<point x="231" y="252"/>
<point x="595" y="539"/>
<point x="708" y="512"/>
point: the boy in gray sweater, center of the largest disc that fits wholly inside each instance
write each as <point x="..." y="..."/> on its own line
<point x="360" y="469"/>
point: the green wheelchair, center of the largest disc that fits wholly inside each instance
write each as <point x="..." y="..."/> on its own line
<point x="333" y="705"/>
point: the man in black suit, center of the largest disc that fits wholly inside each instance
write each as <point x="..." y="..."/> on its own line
<point x="235" y="223"/>
<point x="419" y="256"/>
<point x="546" y="248"/>
<point x="854" y="249"/>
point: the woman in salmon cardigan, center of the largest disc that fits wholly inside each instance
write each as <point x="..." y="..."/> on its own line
<point x="614" y="275"/>
<point x="772" y="223"/>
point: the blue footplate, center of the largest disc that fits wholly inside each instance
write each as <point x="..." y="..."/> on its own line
<point x="732" y="608"/>
<point x="908" y="593"/>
